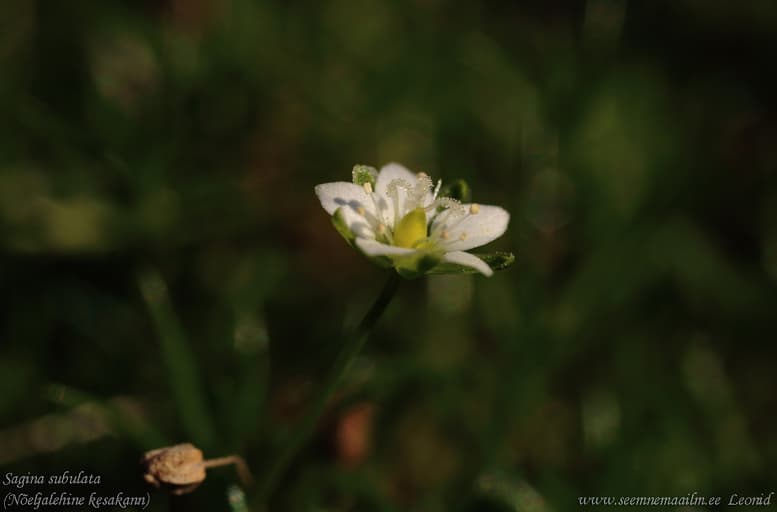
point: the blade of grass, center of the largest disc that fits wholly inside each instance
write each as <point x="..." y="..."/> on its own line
<point x="250" y="393"/>
<point x="125" y="422"/>
<point x="237" y="499"/>
<point x="178" y="359"/>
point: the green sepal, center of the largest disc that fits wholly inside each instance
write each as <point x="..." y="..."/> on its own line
<point x="381" y="261"/>
<point x="364" y="174"/>
<point x="417" y="264"/>
<point x="496" y="260"/>
<point x="457" y="189"/>
<point x="338" y="221"/>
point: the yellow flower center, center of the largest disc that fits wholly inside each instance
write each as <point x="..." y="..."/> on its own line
<point x="411" y="229"/>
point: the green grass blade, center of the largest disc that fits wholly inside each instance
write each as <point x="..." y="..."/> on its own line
<point x="178" y="360"/>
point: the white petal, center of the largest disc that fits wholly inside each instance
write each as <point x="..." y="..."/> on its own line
<point x="373" y="248"/>
<point x="468" y="260"/>
<point x="387" y="174"/>
<point x="350" y="198"/>
<point x="390" y="172"/>
<point x="473" y="230"/>
<point x="341" y="193"/>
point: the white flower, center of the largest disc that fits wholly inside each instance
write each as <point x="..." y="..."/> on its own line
<point x="397" y="217"/>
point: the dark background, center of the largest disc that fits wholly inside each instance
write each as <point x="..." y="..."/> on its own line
<point x="167" y="272"/>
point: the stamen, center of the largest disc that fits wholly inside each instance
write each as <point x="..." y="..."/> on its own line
<point x="463" y="236"/>
<point x="445" y="235"/>
<point x="437" y="190"/>
<point x="374" y="223"/>
<point x="448" y="202"/>
<point x="450" y="208"/>
<point x="370" y="193"/>
<point x="450" y="218"/>
<point x="418" y="193"/>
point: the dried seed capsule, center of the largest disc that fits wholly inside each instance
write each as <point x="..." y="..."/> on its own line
<point x="179" y="468"/>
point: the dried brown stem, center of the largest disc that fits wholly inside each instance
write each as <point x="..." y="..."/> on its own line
<point x="242" y="468"/>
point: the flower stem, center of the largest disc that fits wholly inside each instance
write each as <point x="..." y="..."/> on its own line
<point x="242" y="468"/>
<point x="345" y="356"/>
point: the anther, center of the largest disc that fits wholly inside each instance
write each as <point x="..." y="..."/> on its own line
<point x="463" y="236"/>
<point x="474" y="208"/>
<point x="381" y="228"/>
<point x="361" y="211"/>
<point x="445" y="235"/>
<point x="368" y="187"/>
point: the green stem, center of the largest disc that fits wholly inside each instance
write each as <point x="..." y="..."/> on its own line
<point x="345" y="356"/>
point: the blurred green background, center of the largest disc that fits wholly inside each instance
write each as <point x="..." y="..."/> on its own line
<point x="169" y="275"/>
